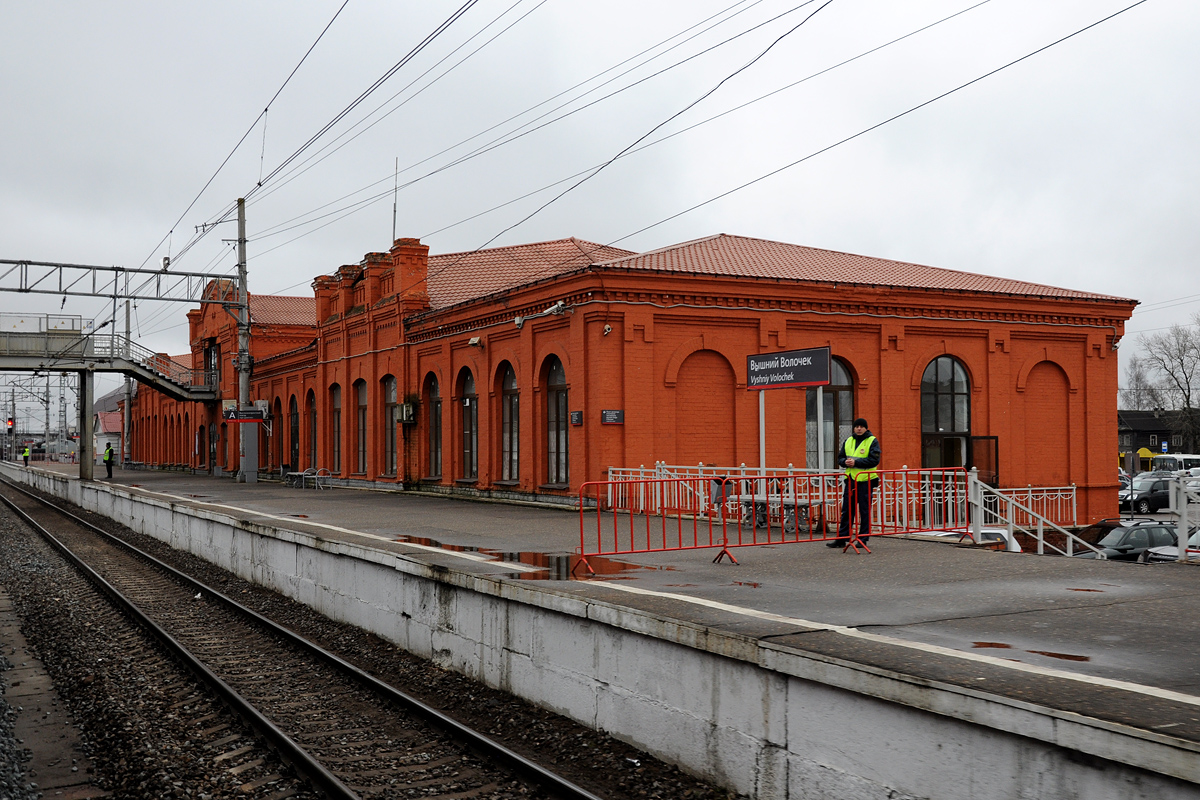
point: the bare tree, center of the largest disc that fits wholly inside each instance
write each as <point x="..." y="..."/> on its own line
<point x="1171" y="362"/>
<point x="1142" y="392"/>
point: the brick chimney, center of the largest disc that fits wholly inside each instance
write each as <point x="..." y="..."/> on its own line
<point x="410" y="259"/>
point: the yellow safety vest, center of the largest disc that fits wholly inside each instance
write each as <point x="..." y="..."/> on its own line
<point x="862" y="451"/>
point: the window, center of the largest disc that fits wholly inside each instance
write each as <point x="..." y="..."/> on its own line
<point x="433" y="401"/>
<point x="360" y="424"/>
<point x="557" y="420"/>
<point x="294" y="434"/>
<point x="837" y="400"/>
<point x="335" y="428"/>
<point x="1176" y="440"/>
<point x="1154" y="440"/>
<point x="509" y="426"/>
<point x="945" y="413"/>
<point x="470" y="426"/>
<point x="389" y="425"/>
<point x="312" y="430"/>
<point x="1126" y="439"/>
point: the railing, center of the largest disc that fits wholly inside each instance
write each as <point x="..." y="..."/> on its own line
<point x="1185" y="501"/>
<point x="108" y="345"/>
<point x="645" y="515"/>
<point x="993" y="508"/>
<point x="1056" y="504"/>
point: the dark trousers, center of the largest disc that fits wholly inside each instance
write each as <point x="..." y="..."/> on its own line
<point x="108" y="466"/>
<point x="856" y="503"/>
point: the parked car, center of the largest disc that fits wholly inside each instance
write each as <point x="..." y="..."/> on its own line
<point x="1126" y="539"/>
<point x="1148" y="493"/>
<point x="1158" y="555"/>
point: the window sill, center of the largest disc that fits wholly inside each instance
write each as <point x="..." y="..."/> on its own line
<point x="466" y="481"/>
<point x="432" y="479"/>
<point x="555" y="487"/>
<point x="506" y="483"/>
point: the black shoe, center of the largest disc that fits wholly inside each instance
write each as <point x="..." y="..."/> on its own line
<point x="836" y="543"/>
<point x="864" y="539"/>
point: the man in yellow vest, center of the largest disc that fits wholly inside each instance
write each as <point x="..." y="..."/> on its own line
<point x="108" y="459"/>
<point x="859" y="456"/>
<point x="25" y="455"/>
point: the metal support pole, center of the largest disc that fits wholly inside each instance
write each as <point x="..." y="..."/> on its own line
<point x="762" y="432"/>
<point x="127" y="422"/>
<point x="821" y="427"/>
<point x="248" y="456"/>
<point x="87" y="448"/>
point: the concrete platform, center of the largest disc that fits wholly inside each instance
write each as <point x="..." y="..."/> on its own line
<point x="981" y="637"/>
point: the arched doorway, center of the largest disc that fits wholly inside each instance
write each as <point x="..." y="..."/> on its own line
<point x="704" y="402"/>
<point x="945" y="414"/>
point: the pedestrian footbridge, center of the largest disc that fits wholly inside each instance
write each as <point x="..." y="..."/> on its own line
<point x="55" y="343"/>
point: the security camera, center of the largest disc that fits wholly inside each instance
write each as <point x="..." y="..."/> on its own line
<point x="607" y="330"/>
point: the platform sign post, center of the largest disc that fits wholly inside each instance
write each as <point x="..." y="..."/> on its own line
<point x="789" y="369"/>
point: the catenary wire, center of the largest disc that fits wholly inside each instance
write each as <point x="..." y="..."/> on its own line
<point x="841" y="141"/>
<point x="518" y="133"/>
<point x="438" y="31"/>
<point x="346" y="211"/>
<point x="246" y="134"/>
<point x="353" y="131"/>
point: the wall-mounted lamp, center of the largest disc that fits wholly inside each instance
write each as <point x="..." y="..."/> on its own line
<point x="475" y="341"/>
<point x="607" y="330"/>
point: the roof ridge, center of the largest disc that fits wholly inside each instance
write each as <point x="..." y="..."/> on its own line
<point x="563" y="240"/>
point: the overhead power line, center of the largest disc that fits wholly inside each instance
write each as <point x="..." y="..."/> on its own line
<point x="230" y="210"/>
<point x="246" y="134"/>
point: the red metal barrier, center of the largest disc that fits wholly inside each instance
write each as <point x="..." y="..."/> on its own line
<point x="666" y="514"/>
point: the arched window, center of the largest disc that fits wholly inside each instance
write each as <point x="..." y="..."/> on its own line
<point x="510" y="421"/>
<point x="389" y="425"/>
<point x="470" y="426"/>
<point x="212" y="447"/>
<point x="433" y="404"/>
<point x="360" y="426"/>
<point x="335" y="428"/>
<point x="945" y="413"/>
<point x="294" y="434"/>
<point x="837" y="412"/>
<point x="557" y="420"/>
<point x="311" y="402"/>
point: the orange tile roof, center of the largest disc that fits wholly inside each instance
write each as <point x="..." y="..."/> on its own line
<point x="274" y="309"/>
<point x="459" y="277"/>
<point x="744" y="257"/>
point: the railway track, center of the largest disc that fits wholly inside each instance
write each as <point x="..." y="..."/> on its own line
<point x="345" y="733"/>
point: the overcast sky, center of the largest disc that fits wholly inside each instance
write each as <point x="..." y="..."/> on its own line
<point x="1077" y="167"/>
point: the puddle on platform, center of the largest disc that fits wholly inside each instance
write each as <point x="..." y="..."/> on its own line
<point x="551" y="566"/>
<point x="1069" y="589"/>
<point x="1063" y="656"/>
<point x="1047" y="653"/>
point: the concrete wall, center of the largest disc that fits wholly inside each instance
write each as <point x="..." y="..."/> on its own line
<point x="761" y="719"/>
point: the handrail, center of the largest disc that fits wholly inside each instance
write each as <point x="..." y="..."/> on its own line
<point x="980" y="490"/>
<point x="112" y="345"/>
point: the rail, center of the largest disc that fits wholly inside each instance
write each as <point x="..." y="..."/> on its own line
<point x="328" y="783"/>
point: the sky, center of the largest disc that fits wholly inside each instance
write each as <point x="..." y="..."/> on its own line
<point x="126" y="125"/>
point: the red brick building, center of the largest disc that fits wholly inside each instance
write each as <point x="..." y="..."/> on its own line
<point x="490" y="371"/>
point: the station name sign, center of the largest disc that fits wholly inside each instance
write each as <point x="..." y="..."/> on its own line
<point x="787" y="370"/>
